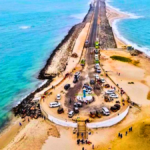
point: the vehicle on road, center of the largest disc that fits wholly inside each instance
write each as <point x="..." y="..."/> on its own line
<point x="97" y="65"/>
<point x="58" y="97"/>
<point x="54" y="104"/>
<point x="98" y="70"/>
<point x="71" y="114"/>
<point x="105" y="111"/>
<point x="86" y="43"/>
<point x="97" y="76"/>
<point x="67" y="86"/>
<point x="96" y="51"/>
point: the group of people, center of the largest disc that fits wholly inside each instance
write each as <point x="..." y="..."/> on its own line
<point x="120" y="135"/>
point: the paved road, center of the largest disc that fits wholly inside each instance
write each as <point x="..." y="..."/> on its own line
<point x="93" y="32"/>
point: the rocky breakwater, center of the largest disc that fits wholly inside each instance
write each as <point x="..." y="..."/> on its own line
<point x="106" y="35"/>
<point x="55" y="64"/>
<point x="59" y="58"/>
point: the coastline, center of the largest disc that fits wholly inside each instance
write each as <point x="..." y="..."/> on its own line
<point x="48" y="129"/>
<point x="12" y="128"/>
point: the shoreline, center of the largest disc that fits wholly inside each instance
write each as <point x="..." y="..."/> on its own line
<point x="50" y="78"/>
<point x="16" y="118"/>
<point x="118" y="16"/>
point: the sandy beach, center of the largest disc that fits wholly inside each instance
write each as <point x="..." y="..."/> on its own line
<point x="42" y="134"/>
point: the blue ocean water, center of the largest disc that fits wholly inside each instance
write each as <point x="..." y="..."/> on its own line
<point x="135" y="30"/>
<point x="29" y="31"/>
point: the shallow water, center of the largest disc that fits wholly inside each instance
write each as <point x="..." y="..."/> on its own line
<point x="135" y="30"/>
<point x="29" y="31"/>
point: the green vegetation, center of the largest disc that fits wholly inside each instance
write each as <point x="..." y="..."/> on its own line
<point x="121" y="58"/>
<point x="148" y="95"/>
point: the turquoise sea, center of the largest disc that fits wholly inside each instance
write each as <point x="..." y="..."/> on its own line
<point x="136" y="29"/>
<point x="29" y="31"/>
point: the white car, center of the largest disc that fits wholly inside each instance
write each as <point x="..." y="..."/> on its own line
<point x="97" y="76"/>
<point x="96" y="66"/>
<point x="113" y="96"/>
<point x="109" y="92"/>
<point x="102" y="80"/>
<point x="71" y="114"/>
<point x="105" y="111"/>
<point x="58" y="97"/>
<point x="54" y="104"/>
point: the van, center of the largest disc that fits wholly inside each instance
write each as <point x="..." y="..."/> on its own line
<point x="105" y="111"/>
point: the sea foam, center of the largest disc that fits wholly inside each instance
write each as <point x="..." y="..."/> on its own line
<point x="24" y="27"/>
<point x="146" y="50"/>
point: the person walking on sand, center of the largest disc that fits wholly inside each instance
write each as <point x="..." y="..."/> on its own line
<point x="28" y="120"/>
<point x="82" y="148"/>
<point x="93" y="146"/>
<point x="119" y="134"/>
<point x="126" y="133"/>
<point x="20" y="123"/>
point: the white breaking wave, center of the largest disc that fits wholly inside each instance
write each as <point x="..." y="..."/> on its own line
<point x="126" y="41"/>
<point x="146" y="50"/>
<point x="44" y="82"/>
<point x="79" y="16"/>
<point x="24" y="27"/>
<point x="131" y="15"/>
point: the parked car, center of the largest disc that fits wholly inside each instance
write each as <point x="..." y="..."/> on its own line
<point x="76" y="110"/>
<point x="117" y="106"/>
<point x="113" y="96"/>
<point x="102" y="80"/>
<point x="97" y="76"/>
<point x="54" y="104"/>
<point x="77" y="104"/>
<point x="71" y="114"/>
<point x="58" y="97"/>
<point x="75" y="80"/>
<point x="87" y="87"/>
<point x="113" y="108"/>
<point x="93" y="113"/>
<point x="110" y="92"/>
<point x="92" y="81"/>
<point x="67" y="86"/>
<point x="107" y="86"/>
<point x="96" y="51"/>
<point x="98" y="113"/>
<point x="98" y="70"/>
<point x="105" y="111"/>
<point x="60" y="110"/>
<point x="97" y="65"/>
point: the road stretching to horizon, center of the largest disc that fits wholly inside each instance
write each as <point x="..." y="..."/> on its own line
<point x="93" y="32"/>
